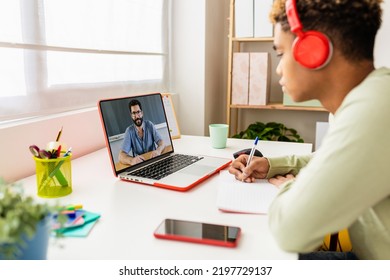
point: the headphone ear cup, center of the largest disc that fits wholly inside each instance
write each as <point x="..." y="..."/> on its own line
<point x="312" y="50"/>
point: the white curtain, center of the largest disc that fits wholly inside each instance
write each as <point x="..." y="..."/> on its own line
<point x="60" y="55"/>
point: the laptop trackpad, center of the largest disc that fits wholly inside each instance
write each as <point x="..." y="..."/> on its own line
<point x="198" y="170"/>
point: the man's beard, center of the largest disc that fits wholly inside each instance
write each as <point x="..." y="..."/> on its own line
<point x="138" y="122"/>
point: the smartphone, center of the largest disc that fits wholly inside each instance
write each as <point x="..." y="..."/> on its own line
<point x="197" y="232"/>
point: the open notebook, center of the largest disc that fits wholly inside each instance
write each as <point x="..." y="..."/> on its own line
<point x="240" y="197"/>
<point x="121" y="120"/>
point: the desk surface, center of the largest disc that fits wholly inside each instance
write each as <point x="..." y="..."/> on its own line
<point x="130" y="212"/>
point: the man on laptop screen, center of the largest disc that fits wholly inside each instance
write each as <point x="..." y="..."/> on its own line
<point x="140" y="137"/>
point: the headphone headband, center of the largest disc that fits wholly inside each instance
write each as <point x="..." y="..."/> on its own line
<point x="292" y="16"/>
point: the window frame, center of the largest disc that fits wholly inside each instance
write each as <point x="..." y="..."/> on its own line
<point x="38" y="90"/>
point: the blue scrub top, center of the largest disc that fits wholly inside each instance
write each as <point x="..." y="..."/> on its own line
<point x="132" y="142"/>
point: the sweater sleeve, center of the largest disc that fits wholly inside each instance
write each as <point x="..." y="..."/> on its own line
<point x="288" y="164"/>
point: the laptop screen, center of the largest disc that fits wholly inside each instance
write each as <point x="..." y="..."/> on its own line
<point x="136" y="130"/>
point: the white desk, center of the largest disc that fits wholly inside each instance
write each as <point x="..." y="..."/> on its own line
<point x="130" y="212"/>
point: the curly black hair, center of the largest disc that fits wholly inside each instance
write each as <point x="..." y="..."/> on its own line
<point x="351" y="25"/>
<point x="134" y="102"/>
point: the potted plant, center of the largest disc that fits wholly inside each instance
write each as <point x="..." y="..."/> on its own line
<point x="24" y="224"/>
<point x="271" y="131"/>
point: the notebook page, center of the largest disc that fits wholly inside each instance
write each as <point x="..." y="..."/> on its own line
<point x="240" y="197"/>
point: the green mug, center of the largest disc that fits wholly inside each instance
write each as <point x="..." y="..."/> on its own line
<point x="218" y="135"/>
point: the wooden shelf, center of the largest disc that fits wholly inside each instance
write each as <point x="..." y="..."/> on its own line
<point x="279" y="106"/>
<point x="236" y="44"/>
<point x="270" y="39"/>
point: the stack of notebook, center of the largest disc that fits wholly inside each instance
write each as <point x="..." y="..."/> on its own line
<point x="74" y="222"/>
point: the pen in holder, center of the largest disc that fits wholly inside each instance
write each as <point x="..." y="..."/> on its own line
<point x="54" y="176"/>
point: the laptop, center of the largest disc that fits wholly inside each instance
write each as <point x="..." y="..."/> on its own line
<point x="148" y="156"/>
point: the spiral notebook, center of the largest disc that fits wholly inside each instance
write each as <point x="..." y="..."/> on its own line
<point x="239" y="197"/>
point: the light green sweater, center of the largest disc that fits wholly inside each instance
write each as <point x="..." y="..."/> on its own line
<point x="345" y="184"/>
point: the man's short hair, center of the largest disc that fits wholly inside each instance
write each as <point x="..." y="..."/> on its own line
<point x="134" y="102"/>
<point x="351" y="25"/>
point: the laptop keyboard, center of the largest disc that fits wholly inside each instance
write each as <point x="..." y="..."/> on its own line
<point x="165" y="167"/>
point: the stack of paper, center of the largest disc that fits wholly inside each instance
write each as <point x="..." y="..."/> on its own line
<point x="240" y="197"/>
<point x="78" y="224"/>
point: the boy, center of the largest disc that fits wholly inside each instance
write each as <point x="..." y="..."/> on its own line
<point x="344" y="184"/>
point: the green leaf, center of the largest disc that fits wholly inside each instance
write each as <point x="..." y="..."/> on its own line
<point x="19" y="216"/>
<point x="271" y="131"/>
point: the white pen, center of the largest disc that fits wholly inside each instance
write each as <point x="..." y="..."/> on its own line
<point x="252" y="151"/>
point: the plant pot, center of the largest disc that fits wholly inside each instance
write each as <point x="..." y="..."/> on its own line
<point x="36" y="247"/>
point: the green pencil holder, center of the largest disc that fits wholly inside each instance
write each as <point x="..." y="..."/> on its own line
<point x="54" y="176"/>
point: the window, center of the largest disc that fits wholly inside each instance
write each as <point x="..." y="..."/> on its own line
<point x="61" y="55"/>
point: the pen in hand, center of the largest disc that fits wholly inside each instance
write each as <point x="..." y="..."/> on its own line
<point x="252" y="151"/>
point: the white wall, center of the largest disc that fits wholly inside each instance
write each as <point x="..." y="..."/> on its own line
<point x="188" y="63"/>
<point x="217" y="28"/>
<point x="81" y="130"/>
<point x="381" y="52"/>
<point x="199" y="62"/>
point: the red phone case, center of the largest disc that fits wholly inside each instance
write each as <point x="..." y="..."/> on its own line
<point x="206" y="241"/>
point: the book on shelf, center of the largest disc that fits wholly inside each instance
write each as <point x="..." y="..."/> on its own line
<point x="252" y="18"/>
<point x="240" y="78"/>
<point x="262" y="25"/>
<point x="259" y="78"/>
<point x="250" y="78"/>
<point x="243" y="15"/>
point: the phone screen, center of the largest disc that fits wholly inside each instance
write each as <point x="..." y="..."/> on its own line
<point x="212" y="234"/>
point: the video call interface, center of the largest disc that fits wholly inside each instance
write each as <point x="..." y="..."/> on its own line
<point x="117" y="118"/>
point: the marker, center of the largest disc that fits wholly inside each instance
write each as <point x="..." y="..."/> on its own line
<point x="58" y="153"/>
<point x="74" y="207"/>
<point x="70" y="213"/>
<point x="68" y="152"/>
<point x="252" y="151"/>
<point x="59" y="135"/>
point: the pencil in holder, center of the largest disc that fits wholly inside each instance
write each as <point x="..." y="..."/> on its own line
<point x="54" y="176"/>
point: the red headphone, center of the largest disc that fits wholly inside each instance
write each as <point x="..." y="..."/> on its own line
<point x="311" y="49"/>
